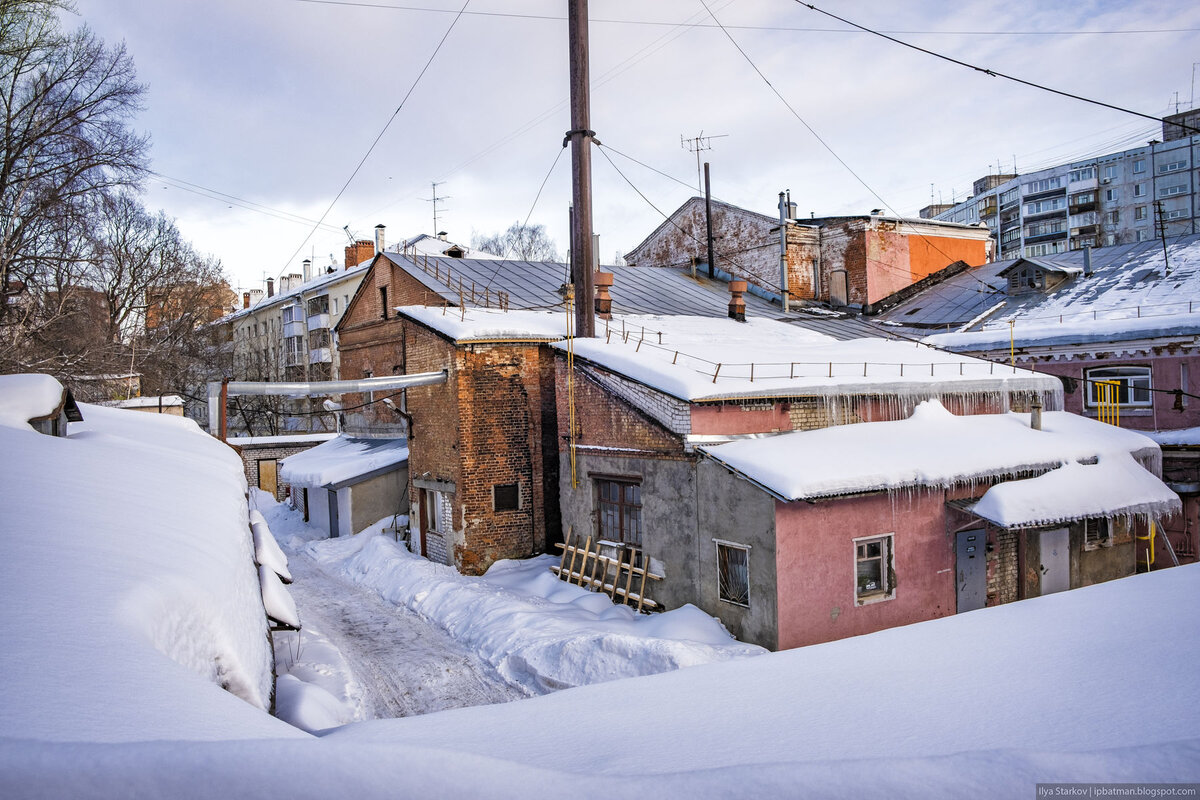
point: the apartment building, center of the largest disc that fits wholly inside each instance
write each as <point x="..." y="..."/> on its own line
<point x="1119" y="198"/>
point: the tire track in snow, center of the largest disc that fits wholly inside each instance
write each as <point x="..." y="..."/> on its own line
<point x="404" y="666"/>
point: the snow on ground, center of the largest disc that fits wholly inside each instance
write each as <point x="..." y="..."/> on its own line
<point x="122" y="587"/>
<point x="539" y="633"/>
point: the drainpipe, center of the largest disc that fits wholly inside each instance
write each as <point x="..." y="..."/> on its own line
<point x="783" y="265"/>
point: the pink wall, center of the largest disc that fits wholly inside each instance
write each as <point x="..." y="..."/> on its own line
<point x="1165" y="374"/>
<point x="737" y="419"/>
<point x="816" y="567"/>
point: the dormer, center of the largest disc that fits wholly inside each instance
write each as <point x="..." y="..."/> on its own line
<point x="1034" y="275"/>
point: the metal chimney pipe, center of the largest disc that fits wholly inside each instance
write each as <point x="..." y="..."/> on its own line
<point x="1035" y="413"/>
<point x="783" y="264"/>
<point x="1087" y="261"/>
<point x="379" y="229"/>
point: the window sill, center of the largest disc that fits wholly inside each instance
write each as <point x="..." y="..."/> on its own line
<point x="879" y="597"/>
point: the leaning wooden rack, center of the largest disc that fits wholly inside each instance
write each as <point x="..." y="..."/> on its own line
<point x="620" y="578"/>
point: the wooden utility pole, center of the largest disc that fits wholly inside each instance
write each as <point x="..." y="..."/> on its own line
<point x="581" y="136"/>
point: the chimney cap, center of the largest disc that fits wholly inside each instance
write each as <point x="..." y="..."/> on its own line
<point x="380" y="225"/>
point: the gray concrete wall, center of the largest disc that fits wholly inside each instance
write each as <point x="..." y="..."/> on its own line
<point x="736" y="511"/>
<point x="680" y="520"/>
<point x="379" y="497"/>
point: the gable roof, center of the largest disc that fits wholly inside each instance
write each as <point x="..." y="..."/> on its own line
<point x="1044" y="264"/>
<point x="686" y="208"/>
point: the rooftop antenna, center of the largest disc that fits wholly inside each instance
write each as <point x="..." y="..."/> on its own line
<point x="435" y="200"/>
<point x="349" y="235"/>
<point x="1194" y="65"/>
<point x="697" y="144"/>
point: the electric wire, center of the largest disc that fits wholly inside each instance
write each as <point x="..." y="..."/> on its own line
<point x="990" y="72"/>
<point x="386" y="125"/>
<point x="532" y="206"/>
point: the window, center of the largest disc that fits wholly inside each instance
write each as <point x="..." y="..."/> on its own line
<point x="1139" y="190"/>
<point x="1173" y="166"/>
<point x="1044" y="185"/>
<point x="1139" y="213"/>
<point x="1171" y="191"/>
<point x="1132" y="389"/>
<point x="506" y="497"/>
<point x="318" y="338"/>
<point x="1043" y="206"/>
<point x="1139" y="165"/>
<point x="619" y="511"/>
<point x="1045" y="228"/>
<point x="1114" y="217"/>
<point x="1143" y="235"/>
<point x="335" y="305"/>
<point x="318" y="305"/>
<point x="1110" y="195"/>
<point x="383" y="303"/>
<point x="873" y="575"/>
<point x="1010" y="196"/>
<point x="1049" y="248"/>
<point x="1179" y="213"/>
<point x="1111" y="171"/>
<point x="431" y="511"/>
<point x="1083" y="198"/>
<point x="733" y="573"/>
<point x="1084" y="174"/>
<point x="1096" y="533"/>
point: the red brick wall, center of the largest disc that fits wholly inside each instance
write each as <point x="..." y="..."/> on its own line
<point x="603" y="420"/>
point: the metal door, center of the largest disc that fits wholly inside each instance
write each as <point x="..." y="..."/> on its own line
<point x="971" y="570"/>
<point x="1055" y="547"/>
<point x="839" y="288"/>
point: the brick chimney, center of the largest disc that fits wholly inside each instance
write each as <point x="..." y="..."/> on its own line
<point x="362" y="250"/>
<point x="245" y="299"/>
<point x="270" y="287"/>
<point x="737" y="306"/>
<point x="603" y="281"/>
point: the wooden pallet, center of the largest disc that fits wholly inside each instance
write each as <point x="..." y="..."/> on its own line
<point x="589" y="568"/>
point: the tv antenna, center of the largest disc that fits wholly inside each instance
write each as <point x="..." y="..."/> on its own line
<point x="435" y="200"/>
<point x="349" y="235"/>
<point x="698" y="144"/>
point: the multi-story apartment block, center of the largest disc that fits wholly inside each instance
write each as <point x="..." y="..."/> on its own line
<point x="1120" y="198"/>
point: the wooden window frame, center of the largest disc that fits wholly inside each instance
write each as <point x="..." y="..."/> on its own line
<point x="887" y="570"/>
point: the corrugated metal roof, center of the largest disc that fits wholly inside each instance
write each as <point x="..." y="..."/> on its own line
<point x="1125" y="277"/>
<point x="636" y="290"/>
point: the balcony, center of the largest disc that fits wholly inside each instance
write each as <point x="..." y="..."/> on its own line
<point x="293" y="359"/>
<point x="294" y="328"/>
<point x="320" y="355"/>
<point x="316" y="321"/>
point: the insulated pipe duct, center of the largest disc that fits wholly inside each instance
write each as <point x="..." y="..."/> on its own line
<point x="309" y="388"/>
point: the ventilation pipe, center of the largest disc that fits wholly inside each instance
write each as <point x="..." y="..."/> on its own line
<point x="783" y="263"/>
<point x="307" y="270"/>
<point x="1035" y="413"/>
<point x="603" y="282"/>
<point x="379" y="229"/>
<point x="1087" y="261"/>
<point x="737" y="304"/>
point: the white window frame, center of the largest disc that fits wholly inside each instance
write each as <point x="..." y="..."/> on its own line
<point x="887" y="569"/>
<point x="1135" y="379"/>
<point x="722" y="581"/>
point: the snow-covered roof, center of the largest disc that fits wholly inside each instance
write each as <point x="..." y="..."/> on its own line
<point x="1072" y="330"/>
<point x="295" y="293"/>
<point x="1044" y="264"/>
<point x="424" y="244"/>
<point x="341" y="460"/>
<point x="1130" y="283"/>
<point x="1183" y="437"/>
<point x="1114" y="485"/>
<point x="167" y="400"/>
<point x="29" y="396"/>
<point x="463" y="325"/>
<point x="932" y="448"/>
<point x="286" y="439"/>
<point x="697" y="359"/>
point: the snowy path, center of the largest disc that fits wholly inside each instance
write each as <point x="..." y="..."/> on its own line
<point x="401" y="665"/>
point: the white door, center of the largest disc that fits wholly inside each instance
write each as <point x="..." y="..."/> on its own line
<point x="1056" y="560"/>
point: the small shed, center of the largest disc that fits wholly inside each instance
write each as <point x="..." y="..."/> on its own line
<point x="39" y="401"/>
<point x="347" y="484"/>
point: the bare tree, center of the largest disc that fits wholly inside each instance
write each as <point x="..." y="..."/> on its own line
<point x="66" y="100"/>
<point x="522" y="242"/>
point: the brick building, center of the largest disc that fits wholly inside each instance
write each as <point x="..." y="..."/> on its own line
<point x="483" y="453"/>
<point x="261" y="456"/>
<point x="751" y="487"/>
<point x="857" y="261"/>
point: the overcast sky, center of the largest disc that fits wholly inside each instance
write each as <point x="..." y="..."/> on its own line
<point x="259" y="110"/>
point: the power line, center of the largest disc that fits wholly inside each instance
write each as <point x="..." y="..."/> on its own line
<point x="780" y="28"/>
<point x="537" y="197"/>
<point x="990" y="72"/>
<point x="240" y="202"/>
<point x="386" y="125"/>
